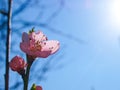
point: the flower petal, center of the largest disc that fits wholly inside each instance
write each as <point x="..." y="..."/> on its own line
<point x="42" y="54"/>
<point x="17" y="63"/>
<point x="38" y="88"/>
<point x="52" y="45"/>
<point x="25" y="37"/>
<point x="36" y="44"/>
<point x="39" y="36"/>
<point x="25" y="48"/>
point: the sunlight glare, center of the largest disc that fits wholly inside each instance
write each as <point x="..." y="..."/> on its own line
<point x="114" y="12"/>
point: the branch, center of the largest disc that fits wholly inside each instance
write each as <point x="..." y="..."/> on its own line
<point x="50" y="28"/>
<point x="59" y="32"/>
<point x="8" y="44"/>
<point x="21" y="8"/>
<point x="54" y="14"/>
<point x="16" y="85"/>
<point x="3" y="12"/>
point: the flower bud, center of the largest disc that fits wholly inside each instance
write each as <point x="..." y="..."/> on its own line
<point x="17" y="64"/>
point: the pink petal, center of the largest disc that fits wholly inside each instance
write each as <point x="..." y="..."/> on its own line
<point x="25" y="48"/>
<point x="17" y="63"/>
<point x="25" y="37"/>
<point x="42" y="54"/>
<point x="47" y="47"/>
<point x="39" y="36"/>
<point x="52" y="45"/>
<point x="38" y="88"/>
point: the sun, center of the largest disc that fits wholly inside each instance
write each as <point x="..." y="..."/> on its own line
<point x="114" y="12"/>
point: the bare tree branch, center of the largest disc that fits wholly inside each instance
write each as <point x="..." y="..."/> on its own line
<point x="59" y="32"/>
<point x="50" y="28"/>
<point x="3" y="12"/>
<point x="8" y="44"/>
<point x="54" y="14"/>
<point x="21" y="8"/>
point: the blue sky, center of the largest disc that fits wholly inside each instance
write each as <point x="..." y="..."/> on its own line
<point x="96" y="61"/>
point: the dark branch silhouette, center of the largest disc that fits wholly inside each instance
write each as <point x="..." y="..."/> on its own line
<point x="51" y="29"/>
<point x="56" y="13"/>
<point x="21" y="8"/>
<point x="8" y="44"/>
<point x="3" y="12"/>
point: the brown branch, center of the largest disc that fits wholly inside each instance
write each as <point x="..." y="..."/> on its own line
<point x="8" y="44"/>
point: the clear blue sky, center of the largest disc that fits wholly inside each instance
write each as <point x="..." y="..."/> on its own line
<point x="96" y="61"/>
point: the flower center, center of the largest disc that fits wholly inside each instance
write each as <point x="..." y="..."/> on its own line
<point x="35" y="46"/>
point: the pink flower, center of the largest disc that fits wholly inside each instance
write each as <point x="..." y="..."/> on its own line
<point x="17" y="64"/>
<point x="34" y="87"/>
<point x="37" y="45"/>
<point x="38" y="88"/>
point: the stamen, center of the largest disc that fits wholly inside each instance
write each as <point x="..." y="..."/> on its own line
<point x="35" y="47"/>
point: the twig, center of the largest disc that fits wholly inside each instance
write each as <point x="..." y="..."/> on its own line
<point x="8" y="44"/>
<point x="21" y="8"/>
<point x="3" y="12"/>
<point x="56" y="13"/>
<point x="51" y="29"/>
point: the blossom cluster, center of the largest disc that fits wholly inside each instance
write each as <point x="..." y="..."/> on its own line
<point x="35" y="45"/>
